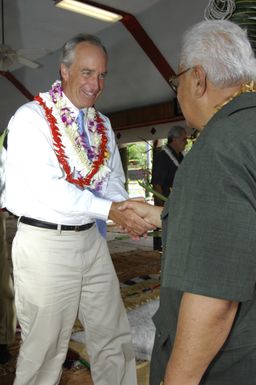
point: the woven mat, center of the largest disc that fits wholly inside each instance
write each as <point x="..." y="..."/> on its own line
<point x="136" y="263"/>
<point x="140" y="292"/>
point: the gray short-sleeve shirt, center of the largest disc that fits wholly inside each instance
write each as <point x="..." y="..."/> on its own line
<point x="209" y="234"/>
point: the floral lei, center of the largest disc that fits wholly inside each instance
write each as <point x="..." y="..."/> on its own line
<point x="245" y="88"/>
<point x="85" y="166"/>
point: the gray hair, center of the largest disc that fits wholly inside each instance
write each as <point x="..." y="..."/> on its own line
<point x="68" y="49"/>
<point x="175" y="132"/>
<point x="222" y="48"/>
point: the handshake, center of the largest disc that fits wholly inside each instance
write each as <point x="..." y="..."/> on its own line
<point x="135" y="217"/>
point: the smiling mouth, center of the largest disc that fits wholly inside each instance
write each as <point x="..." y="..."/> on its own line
<point x="89" y="94"/>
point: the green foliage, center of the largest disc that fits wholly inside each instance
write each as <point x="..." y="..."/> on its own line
<point x="137" y="155"/>
<point x="245" y="16"/>
<point x="149" y="189"/>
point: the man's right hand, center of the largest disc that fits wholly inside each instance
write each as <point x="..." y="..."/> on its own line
<point x="151" y="214"/>
<point x="129" y="220"/>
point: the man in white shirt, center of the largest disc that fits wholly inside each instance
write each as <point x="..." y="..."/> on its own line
<point x="60" y="178"/>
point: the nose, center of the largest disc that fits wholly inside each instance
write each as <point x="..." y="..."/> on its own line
<point x="95" y="84"/>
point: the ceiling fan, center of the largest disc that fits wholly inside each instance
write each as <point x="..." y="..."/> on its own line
<point x="10" y="56"/>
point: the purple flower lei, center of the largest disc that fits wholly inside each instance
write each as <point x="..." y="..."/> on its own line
<point x="56" y="93"/>
<point x="68" y="118"/>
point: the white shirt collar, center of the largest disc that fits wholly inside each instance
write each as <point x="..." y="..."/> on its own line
<point x="73" y="107"/>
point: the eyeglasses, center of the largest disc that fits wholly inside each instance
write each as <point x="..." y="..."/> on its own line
<point x="174" y="80"/>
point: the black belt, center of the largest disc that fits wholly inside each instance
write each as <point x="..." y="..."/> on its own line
<point x="54" y="226"/>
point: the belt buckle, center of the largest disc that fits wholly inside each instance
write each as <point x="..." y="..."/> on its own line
<point x="77" y="228"/>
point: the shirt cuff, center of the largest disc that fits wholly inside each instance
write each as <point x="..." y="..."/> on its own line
<point x="99" y="208"/>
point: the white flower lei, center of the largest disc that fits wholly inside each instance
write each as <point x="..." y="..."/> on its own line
<point x="76" y="153"/>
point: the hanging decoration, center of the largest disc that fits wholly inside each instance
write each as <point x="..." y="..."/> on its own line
<point x="245" y="16"/>
<point x="219" y="9"/>
<point x="241" y="12"/>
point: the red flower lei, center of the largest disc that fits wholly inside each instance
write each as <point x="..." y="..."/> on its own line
<point x="59" y="148"/>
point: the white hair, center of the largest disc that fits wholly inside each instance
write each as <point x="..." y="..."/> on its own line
<point x="222" y="48"/>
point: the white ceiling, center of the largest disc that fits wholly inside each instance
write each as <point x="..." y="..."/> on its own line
<point x="132" y="81"/>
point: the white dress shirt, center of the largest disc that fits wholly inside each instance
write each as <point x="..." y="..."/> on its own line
<point x="35" y="183"/>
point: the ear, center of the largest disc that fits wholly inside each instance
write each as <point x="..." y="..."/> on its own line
<point x="64" y="72"/>
<point x="199" y="81"/>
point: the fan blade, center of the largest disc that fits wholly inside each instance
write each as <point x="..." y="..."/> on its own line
<point x="29" y="63"/>
<point x="8" y="75"/>
<point x="6" y="62"/>
<point x="33" y="52"/>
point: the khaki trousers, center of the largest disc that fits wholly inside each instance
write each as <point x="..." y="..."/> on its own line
<point x="7" y="311"/>
<point x="58" y="275"/>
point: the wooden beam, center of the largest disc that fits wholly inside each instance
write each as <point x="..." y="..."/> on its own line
<point x="148" y="46"/>
<point x="144" y="116"/>
<point x="149" y="123"/>
<point x="8" y="75"/>
<point x="137" y="31"/>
